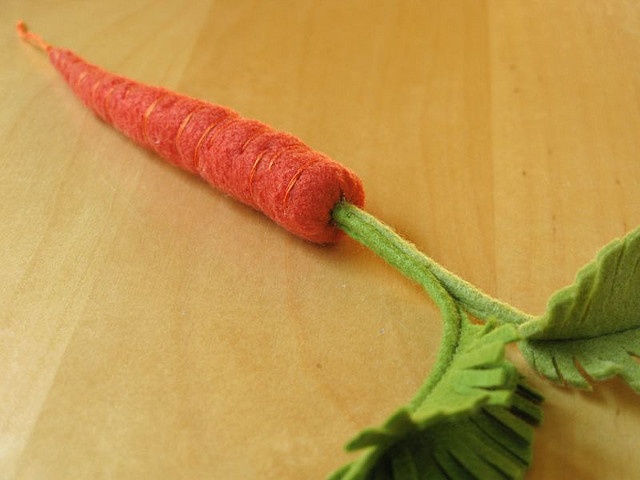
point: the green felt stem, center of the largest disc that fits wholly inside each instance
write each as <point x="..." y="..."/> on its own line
<point x="449" y="292"/>
<point x="470" y="380"/>
<point x="383" y="241"/>
<point x="404" y="256"/>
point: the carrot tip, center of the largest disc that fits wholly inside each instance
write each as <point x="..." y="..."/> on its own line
<point x="32" y="38"/>
<point x="21" y="27"/>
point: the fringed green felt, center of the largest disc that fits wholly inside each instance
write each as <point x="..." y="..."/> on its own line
<point x="477" y="422"/>
<point x="474" y="416"/>
<point x="592" y="328"/>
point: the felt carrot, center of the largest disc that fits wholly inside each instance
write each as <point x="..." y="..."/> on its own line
<point x="269" y="170"/>
<point x="474" y="415"/>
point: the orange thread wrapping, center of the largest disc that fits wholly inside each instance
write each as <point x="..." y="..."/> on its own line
<point x="254" y="167"/>
<point x="105" y="102"/>
<point x="285" y="150"/>
<point x="181" y="128"/>
<point x="226" y="123"/>
<point x="196" y="152"/>
<point x="94" y="87"/>
<point x="295" y="178"/>
<point x="251" y="139"/>
<point x="145" y="118"/>
<point x="81" y="77"/>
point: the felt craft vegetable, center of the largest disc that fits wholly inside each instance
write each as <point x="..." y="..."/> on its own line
<point x="474" y="416"/>
<point x="272" y="171"/>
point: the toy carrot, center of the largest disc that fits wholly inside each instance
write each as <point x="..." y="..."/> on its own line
<point x="271" y="171"/>
<point x="474" y="415"/>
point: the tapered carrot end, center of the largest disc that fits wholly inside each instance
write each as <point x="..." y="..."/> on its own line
<point x="32" y="38"/>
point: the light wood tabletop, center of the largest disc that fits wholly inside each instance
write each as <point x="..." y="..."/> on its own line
<point x="151" y="327"/>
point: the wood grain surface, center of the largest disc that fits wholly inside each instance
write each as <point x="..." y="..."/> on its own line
<point x="151" y="327"/>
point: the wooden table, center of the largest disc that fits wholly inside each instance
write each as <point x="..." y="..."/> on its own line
<point x="151" y="327"/>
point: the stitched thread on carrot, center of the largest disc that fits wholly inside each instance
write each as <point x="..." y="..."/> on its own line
<point x="226" y="149"/>
<point x="246" y="144"/>
<point x="253" y="172"/>
<point x="196" y="153"/>
<point x="145" y="118"/>
<point x="294" y="179"/>
<point x="105" y="103"/>
<point x="181" y="128"/>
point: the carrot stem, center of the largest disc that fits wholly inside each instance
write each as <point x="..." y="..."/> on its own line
<point x="404" y="256"/>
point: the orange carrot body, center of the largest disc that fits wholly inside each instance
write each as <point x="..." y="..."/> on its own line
<point x="271" y="171"/>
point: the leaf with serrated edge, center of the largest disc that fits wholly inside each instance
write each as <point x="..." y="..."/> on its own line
<point x="591" y="329"/>
<point x="476" y="423"/>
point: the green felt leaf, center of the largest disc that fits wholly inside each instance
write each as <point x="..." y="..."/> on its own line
<point x="477" y="421"/>
<point x="592" y="327"/>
